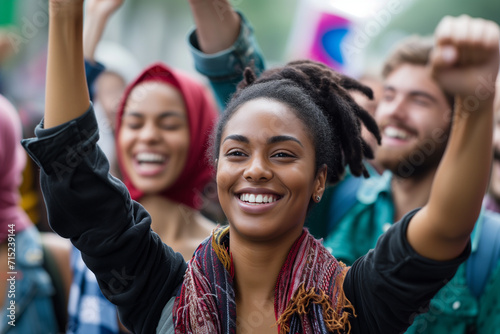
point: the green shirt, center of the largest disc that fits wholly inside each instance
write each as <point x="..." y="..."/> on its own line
<point x="371" y="214"/>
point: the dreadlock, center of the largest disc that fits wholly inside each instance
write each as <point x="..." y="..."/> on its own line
<point x="319" y="98"/>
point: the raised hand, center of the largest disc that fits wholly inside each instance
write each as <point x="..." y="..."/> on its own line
<point x="465" y="62"/>
<point x="466" y="56"/>
<point x="66" y="94"/>
<point x="217" y="24"/>
<point x="103" y="7"/>
<point x="96" y="18"/>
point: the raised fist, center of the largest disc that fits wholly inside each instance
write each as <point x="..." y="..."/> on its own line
<point x="466" y="56"/>
<point x="103" y="7"/>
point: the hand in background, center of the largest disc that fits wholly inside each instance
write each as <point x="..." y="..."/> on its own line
<point x="217" y="24"/>
<point x="96" y="18"/>
<point x="103" y="7"/>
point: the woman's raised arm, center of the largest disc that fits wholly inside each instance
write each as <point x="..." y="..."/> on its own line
<point x="465" y="62"/>
<point x="66" y="94"/>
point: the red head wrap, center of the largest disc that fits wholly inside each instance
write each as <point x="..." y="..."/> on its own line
<point x="201" y="113"/>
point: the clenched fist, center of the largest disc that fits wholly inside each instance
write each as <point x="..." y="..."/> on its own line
<point x="466" y="56"/>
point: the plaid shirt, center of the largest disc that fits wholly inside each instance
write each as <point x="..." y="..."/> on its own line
<point x="89" y="311"/>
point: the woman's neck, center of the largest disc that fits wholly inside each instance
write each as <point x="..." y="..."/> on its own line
<point x="179" y="226"/>
<point x="256" y="269"/>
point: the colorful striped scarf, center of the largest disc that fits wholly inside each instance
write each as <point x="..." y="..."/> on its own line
<point x="309" y="297"/>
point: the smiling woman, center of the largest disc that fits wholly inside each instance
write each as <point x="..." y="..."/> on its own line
<point x="281" y="139"/>
<point x="154" y="136"/>
<point x="270" y="142"/>
<point x="262" y="161"/>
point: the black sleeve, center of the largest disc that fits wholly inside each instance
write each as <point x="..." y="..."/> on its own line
<point x="392" y="284"/>
<point x="135" y="270"/>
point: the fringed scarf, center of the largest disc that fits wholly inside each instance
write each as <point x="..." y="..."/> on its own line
<point x="309" y="295"/>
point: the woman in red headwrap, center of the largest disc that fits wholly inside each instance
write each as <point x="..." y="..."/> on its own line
<point x="163" y="128"/>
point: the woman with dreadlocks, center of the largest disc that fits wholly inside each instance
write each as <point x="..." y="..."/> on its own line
<point x="281" y="138"/>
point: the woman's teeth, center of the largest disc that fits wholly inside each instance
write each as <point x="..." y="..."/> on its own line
<point x="150" y="158"/>
<point x="259" y="198"/>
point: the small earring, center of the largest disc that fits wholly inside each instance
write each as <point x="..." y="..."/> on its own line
<point x="318" y="198"/>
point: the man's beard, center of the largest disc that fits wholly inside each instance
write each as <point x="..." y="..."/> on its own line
<point x="412" y="163"/>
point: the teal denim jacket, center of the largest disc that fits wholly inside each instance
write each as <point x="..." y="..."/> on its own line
<point x="225" y="69"/>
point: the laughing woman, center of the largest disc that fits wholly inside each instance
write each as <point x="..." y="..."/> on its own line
<point x="163" y="126"/>
<point x="280" y="139"/>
